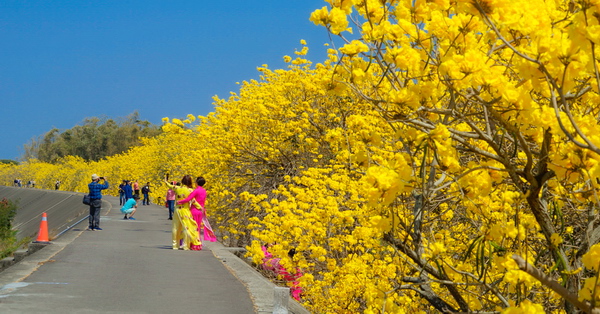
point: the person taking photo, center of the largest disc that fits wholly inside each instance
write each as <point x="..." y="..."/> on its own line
<point x="96" y="201"/>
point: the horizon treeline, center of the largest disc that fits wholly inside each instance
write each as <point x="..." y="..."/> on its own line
<point x="94" y="139"/>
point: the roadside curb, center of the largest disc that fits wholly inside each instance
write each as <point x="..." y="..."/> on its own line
<point x="262" y="290"/>
<point x="19" y="255"/>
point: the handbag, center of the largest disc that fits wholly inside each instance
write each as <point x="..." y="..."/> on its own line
<point x="86" y="199"/>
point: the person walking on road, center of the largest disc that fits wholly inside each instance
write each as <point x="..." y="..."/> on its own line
<point x="96" y="201"/>
<point x="130" y="207"/>
<point x="197" y="200"/>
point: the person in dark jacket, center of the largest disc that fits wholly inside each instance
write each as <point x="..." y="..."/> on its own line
<point x="122" y="192"/>
<point x="145" y="192"/>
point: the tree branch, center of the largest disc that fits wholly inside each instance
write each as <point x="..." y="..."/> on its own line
<point x="554" y="285"/>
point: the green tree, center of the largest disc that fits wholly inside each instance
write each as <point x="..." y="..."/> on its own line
<point x="93" y="140"/>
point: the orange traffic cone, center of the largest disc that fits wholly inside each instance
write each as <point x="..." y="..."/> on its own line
<point x="43" y="233"/>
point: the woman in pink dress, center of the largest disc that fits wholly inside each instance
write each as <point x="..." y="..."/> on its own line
<point x="185" y="230"/>
<point x="197" y="199"/>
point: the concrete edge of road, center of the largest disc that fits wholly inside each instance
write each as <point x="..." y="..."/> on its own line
<point x="262" y="291"/>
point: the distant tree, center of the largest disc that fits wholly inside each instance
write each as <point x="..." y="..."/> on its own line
<point x="95" y="139"/>
<point x="8" y="161"/>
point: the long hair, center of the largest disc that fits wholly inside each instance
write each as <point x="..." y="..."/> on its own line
<point x="187" y="181"/>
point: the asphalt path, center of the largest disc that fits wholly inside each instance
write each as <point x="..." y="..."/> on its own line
<point x="64" y="209"/>
<point x="128" y="267"/>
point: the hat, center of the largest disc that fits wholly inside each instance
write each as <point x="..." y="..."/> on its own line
<point x="95" y="177"/>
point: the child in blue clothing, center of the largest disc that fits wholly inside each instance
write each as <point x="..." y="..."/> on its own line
<point x="130" y="207"/>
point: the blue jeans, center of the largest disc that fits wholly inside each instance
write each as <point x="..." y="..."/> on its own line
<point x="171" y="204"/>
<point x="122" y="198"/>
<point x="146" y="200"/>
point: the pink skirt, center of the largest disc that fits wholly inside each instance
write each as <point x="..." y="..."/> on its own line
<point x="203" y="225"/>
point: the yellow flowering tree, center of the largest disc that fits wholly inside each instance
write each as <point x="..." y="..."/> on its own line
<point x="495" y="103"/>
<point x="444" y="158"/>
<point x="270" y="132"/>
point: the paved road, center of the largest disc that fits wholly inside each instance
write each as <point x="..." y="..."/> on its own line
<point x="129" y="267"/>
<point x="64" y="209"/>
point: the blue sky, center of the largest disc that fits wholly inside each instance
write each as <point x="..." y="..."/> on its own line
<point x="63" y="61"/>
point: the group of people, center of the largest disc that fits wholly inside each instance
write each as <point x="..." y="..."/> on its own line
<point x="189" y="220"/>
<point x="128" y="189"/>
<point x="19" y="183"/>
<point x="189" y="217"/>
<point x="127" y="199"/>
<point x="31" y="183"/>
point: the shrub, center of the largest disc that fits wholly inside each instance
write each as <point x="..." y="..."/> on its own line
<point x="8" y="239"/>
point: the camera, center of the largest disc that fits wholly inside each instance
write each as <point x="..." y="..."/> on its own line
<point x="101" y="178"/>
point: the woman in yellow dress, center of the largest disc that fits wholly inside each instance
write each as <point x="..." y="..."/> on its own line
<point x="185" y="229"/>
